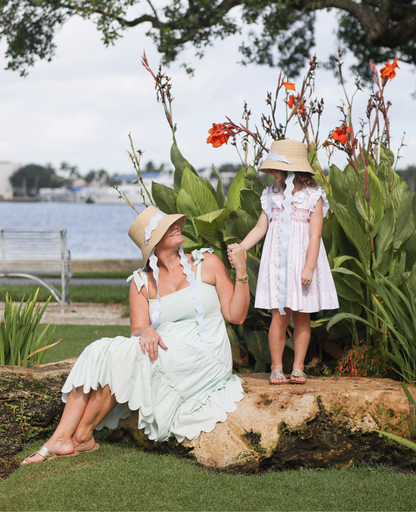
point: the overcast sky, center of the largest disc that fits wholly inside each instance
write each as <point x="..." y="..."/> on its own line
<point x="81" y="106"/>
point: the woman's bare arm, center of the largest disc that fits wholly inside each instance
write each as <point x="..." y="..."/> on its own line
<point x="140" y="322"/>
<point x="234" y="299"/>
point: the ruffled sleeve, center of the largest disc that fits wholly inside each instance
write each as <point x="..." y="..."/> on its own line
<point x="198" y="254"/>
<point x="138" y="280"/>
<point x="318" y="193"/>
<point x="264" y="199"/>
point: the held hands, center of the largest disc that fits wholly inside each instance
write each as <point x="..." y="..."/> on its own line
<point x="306" y="277"/>
<point x="149" y="342"/>
<point x="237" y="255"/>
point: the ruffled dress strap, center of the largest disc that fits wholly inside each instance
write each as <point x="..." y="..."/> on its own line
<point x="316" y="194"/>
<point x="140" y="279"/>
<point x="198" y="256"/>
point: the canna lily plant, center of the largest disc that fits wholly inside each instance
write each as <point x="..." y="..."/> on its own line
<point x="369" y="235"/>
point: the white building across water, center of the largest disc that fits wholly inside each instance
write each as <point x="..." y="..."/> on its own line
<point x="6" y="170"/>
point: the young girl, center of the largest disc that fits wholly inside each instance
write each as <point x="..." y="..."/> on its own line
<point x="294" y="275"/>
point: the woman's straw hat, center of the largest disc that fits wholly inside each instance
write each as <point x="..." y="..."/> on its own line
<point x="287" y="155"/>
<point x="137" y="229"/>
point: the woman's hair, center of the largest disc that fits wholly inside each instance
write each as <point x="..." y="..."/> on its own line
<point x="303" y="179"/>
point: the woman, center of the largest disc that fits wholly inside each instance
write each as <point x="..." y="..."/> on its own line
<point x="176" y="368"/>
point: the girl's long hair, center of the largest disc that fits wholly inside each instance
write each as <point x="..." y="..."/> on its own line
<point x="303" y="179"/>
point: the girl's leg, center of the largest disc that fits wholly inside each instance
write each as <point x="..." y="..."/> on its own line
<point x="100" y="403"/>
<point x="301" y="338"/>
<point x="61" y="441"/>
<point x="277" y="340"/>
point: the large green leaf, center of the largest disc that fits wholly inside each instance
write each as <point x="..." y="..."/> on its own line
<point x="253" y="264"/>
<point x="186" y="204"/>
<point x="245" y="223"/>
<point x="397" y="194"/>
<point x="201" y="195"/>
<point x="386" y="156"/>
<point x="353" y="231"/>
<point x="363" y="209"/>
<point x="220" y="190"/>
<point x="405" y="222"/>
<point x="250" y="202"/>
<point x="258" y="345"/>
<point x="180" y="164"/>
<point x="385" y="236"/>
<point x="211" y="224"/>
<point x="410" y="247"/>
<point x="233" y="198"/>
<point x="376" y="199"/>
<point x="164" y="198"/>
<point x="209" y="186"/>
<point x="339" y="186"/>
<point x="348" y="288"/>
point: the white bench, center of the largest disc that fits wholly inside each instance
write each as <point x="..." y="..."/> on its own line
<point x="35" y="252"/>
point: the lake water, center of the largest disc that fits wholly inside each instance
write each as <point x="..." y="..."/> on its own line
<point x="95" y="231"/>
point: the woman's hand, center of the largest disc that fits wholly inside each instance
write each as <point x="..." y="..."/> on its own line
<point x="306" y="277"/>
<point x="237" y="256"/>
<point x="149" y="342"/>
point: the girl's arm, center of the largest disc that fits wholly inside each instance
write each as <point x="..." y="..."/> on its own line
<point x="254" y="236"/>
<point x="315" y="233"/>
<point x="257" y="233"/>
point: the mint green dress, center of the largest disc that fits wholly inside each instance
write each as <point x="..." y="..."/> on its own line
<point x="187" y="390"/>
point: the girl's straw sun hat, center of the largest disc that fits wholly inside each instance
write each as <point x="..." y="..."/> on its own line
<point x="137" y="229"/>
<point x="287" y="155"/>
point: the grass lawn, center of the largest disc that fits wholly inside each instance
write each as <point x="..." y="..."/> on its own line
<point x="78" y="293"/>
<point x="76" y="337"/>
<point x="122" y="477"/>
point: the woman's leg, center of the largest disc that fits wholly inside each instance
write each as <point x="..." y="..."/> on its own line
<point x="100" y="403"/>
<point x="301" y="338"/>
<point x="82" y="413"/>
<point x="61" y="441"/>
<point x="277" y="340"/>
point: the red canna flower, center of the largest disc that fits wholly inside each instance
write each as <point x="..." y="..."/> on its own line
<point x="291" y="101"/>
<point x="289" y="86"/>
<point x="341" y="134"/>
<point x="388" y="70"/>
<point x="302" y="111"/>
<point x="219" y="134"/>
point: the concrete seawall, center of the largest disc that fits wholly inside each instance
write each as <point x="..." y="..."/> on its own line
<point x="106" y="265"/>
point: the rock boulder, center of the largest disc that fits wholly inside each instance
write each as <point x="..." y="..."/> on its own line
<point x="320" y="424"/>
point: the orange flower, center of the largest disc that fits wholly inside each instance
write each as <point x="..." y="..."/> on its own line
<point x="289" y="86"/>
<point x="388" y="70"/>
<point x="219" y="134"/>
<point x="291" y="101"/>
<point x="341" y="134"/>
<point x="302" y="111"/>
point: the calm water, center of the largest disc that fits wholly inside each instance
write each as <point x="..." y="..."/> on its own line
<point x="95" y="231"/>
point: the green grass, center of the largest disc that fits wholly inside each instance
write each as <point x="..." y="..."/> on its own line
<point x="77" y="337"/>
<point x="123" y="274"/>
<point x="122" y="477"/>
<point x="78" y="293"/>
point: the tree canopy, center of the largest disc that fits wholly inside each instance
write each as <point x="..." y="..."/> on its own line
<point x="282" y="31"/>
<point x="33" y="176"/>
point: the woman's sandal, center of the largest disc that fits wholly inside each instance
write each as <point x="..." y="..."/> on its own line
<point x="299" y="374"/>
<point x="277" y="375"/>
<point x="93" y="449"/>
<point x="47" y="455"/>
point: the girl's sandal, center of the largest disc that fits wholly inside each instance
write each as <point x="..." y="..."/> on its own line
<point x="278" y="375"/>
<point x="297" y="374"/>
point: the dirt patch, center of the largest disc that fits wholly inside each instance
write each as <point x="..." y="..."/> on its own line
<point x="84" y="313"/>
